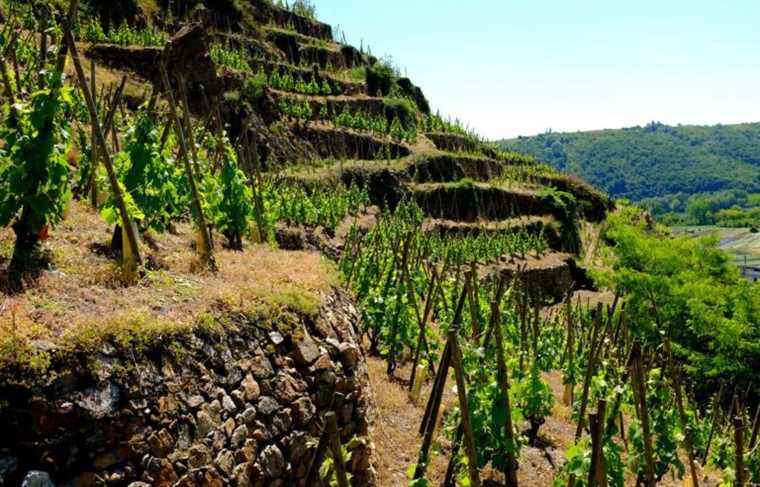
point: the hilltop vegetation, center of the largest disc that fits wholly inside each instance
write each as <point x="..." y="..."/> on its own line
<point x="663" y="167"/>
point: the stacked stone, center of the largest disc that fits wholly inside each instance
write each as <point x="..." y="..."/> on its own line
<point x="241" y="408"/>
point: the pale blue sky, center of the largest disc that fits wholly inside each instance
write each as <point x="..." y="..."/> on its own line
<point x="519" y="67"/>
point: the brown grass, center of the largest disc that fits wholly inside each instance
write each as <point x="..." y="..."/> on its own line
<point x="83" y="300"/>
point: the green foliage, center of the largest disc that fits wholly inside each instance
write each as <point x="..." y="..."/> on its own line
<point x="656" y="160"/>
<point x="229" y="57"/>
<point x="34" y="171"/>
<point x="535" y="399"/>
<point x="578" y="464"/>
<point x="124" y="35"/>
<point x="687" y="288"/>
<point x="381" y="77"/>
<point x="664" y="426"/>
<point x="324" y="207"/>
<point x="730" y="208"/>
<point x="150" y="179"/>
<point x="234" y="209"/>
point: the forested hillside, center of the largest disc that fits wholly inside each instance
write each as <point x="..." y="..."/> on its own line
<point x="655" y="161"/>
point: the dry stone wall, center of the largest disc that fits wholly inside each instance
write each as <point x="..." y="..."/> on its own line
<point x="237" y="408"/>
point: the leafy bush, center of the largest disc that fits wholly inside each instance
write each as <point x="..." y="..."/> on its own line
<point x="234" y="209"/>
<point x="34" y="171"/>
<point x="535" y="399"/>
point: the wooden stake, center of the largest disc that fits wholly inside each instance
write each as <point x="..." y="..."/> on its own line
<point x="464" y="409"/>
<point x="337" y="453"/>
<point x="688" y="441"/>
<point x="596" y="475"/>
<point x="640" y="394"/>
<point x="590" y="365"/>
<point x="503" y="374"/>
<point x="100" y="137"/>
<point x="429" y="300"/>
<point x="206" y="253"/>
<point x="741" y="474"/>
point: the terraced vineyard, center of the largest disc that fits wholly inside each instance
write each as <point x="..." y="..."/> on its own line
<point x="236" y="251"/>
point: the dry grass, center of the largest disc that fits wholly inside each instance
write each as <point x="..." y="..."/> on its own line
<point x="82" y="300"/>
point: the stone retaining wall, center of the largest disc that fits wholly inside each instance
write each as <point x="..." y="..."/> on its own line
<point x="237" y="407"/>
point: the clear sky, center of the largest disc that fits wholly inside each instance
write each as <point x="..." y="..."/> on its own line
<point x="520" y="67"/>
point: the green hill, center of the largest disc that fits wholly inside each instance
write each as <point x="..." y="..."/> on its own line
<point x="657" y="164"/>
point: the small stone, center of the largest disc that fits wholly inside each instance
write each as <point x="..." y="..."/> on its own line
<point x="249" y="449"/>
<point x="248" y="416"/>
<point x="250" y="387"/>
<point x="100" y="402"/>
<point x="195" y="401"/>
<point x="276" y="338"/>
<point x="199" y="455"/>
<point x="261" y="367"/>
<point x="239" y="436"/>
<point x="303" y="411"/>
<point x="242" y="475"/>
<point x="218" y="441"/>
<point x="272" y="461"/>
<point x="287" y="389"/>
<point x="267" y="405"/>
<point x="228" y="404"/>
<point x="160" y="443"/>
<point x="205" y="423"/>
<point x="323" y="363"/>
<point x="305" y="351"/>
<point x="238" y="397"/>
<point x="229" y="426"/>
<point x="37" y="478"/>
<point x="225" y="461"/>
<point x="349" y="355"/>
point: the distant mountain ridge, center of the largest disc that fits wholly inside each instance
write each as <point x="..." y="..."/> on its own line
<point x="656" y="160"/>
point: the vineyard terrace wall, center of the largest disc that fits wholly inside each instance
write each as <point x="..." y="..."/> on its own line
<point x="241" y="406"/>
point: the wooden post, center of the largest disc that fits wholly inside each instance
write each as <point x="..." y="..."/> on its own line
<point x="567" y="394"/>
<point x="429" y="419"/>
<point x="640" y="397"/>
<point x="596" y="475"/>
<point x="688" y="441"/>
<point x="334" y="442"/>
<point x="503" y="374"/>
<point x="206" y="253"/>
<point x="755" y="428"/>
<point x="429" y="300"/>
<point x="741" y="474"/>
<point x="94" y="151"/>
<point x="100" y="137"/>
<point x="427" y="428"/>
<point x="714" y="422"/>
<point x="319" y="455"/>
<point x="448" y="480"/>
<point x="464" y="409"/>
<point x="590" y="364"/>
